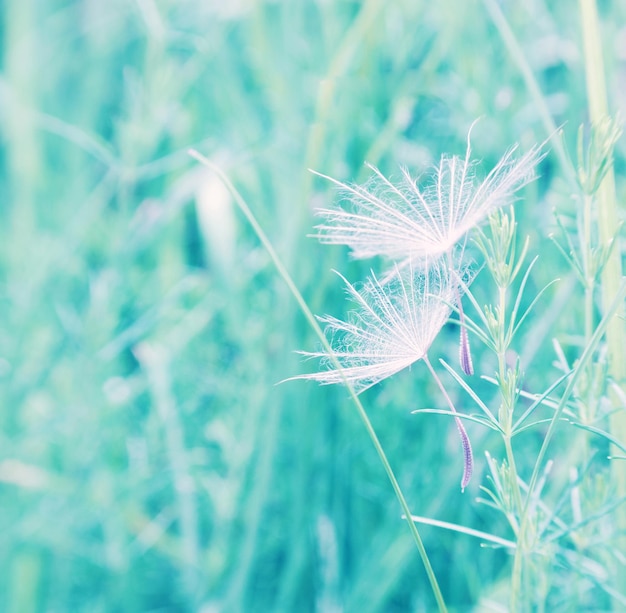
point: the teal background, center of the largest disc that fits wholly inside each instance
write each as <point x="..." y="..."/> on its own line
<point x="149" y="462"/>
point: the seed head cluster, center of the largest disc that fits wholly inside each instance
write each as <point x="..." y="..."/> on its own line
<point x="420" y="226"/>
<point x="406" y="221"/>
<point x="393" y="327"/>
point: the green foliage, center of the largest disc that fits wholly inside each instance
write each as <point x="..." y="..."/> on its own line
<point x="148" y="460"/>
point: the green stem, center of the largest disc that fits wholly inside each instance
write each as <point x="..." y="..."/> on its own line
<point x="586" y="248"/>
<point x="506" y="418"/>
<point x="468" y="458"/>
<point x="282" y="271"/>
<point x="506" y="423"/>
<point x="518" y="560"/>
<point x="510" y="458"/>
<point x="584" y="360"/>
<point x="611" y="275"/>
<point x="594" y="62"/>
<point x="608" y="220"/>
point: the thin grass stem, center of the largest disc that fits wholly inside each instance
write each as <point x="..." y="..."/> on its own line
<point x="468" y="460"/>
<point x="282" y="271"/>
<point x="505" y="418"/>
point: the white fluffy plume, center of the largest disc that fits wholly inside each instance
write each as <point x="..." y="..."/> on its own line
<point x="406" y="222"/>
<point x="393" y="327"/>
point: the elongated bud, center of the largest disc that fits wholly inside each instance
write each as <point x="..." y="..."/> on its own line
<point x="465" y="355"/>
<point x="468" y="456"/>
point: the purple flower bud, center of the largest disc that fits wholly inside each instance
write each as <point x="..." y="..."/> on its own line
<point x="465" y="355"/>
<point x="468" y="458"/>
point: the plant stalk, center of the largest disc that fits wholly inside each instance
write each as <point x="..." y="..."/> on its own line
<point x="611" y="274"/>
<point x="506" y="423"/>
<point x="282" y="271"/>
<point x="468" y="459"/>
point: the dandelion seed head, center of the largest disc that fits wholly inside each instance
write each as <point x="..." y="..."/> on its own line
<point x="405" y="221"/>
<point x="392" y="327"/>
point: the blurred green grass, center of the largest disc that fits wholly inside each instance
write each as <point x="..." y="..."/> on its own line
<point x="148" y="461"/>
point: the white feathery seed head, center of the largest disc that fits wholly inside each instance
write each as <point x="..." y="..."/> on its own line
<point x="393" y="327"/>
<point x="406" y="222"/>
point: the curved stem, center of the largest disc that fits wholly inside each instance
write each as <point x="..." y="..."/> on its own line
<point x="282" y="271"/>
<point x="468" y="458"/>
<point x="465" y="352"/>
